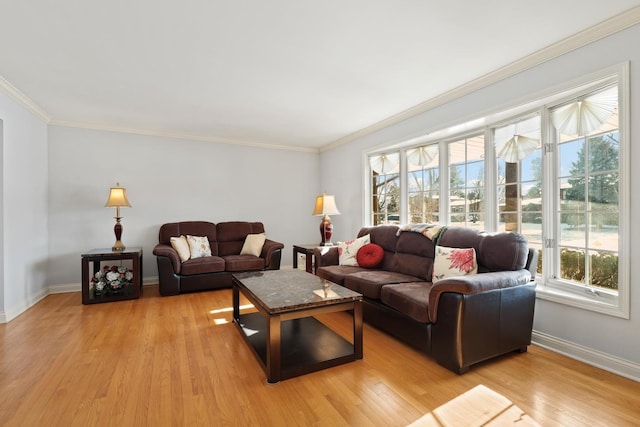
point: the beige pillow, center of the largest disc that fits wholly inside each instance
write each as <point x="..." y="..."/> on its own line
<point x="347" y="251"/>
<point x="181" y="246"/>
<point x="253" y="244"/>
<point x="451" y="262"/>
<point x="199" y="246"/>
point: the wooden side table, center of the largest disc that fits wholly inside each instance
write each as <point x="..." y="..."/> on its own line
<point x="98" y="256"/>
<point x="308" y="251"/>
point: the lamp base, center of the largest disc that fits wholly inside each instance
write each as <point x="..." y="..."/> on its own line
<point x="326" y="230"/>
<point x="117" y="229"/>
<point x="118" y="246"/>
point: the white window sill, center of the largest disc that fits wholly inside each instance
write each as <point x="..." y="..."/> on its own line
<point x="611" y="307"/>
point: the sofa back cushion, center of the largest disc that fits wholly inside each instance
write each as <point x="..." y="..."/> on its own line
<point x="193" y="228"/>
<point x="231" y="235"/>
<point x="409" y="253"/>
<point x="494" y="251"/>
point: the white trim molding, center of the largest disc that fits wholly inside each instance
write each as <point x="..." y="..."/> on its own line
<point x="608" y="362"/>
<point x="22" y="99"/>
<point x="606" y="28"/>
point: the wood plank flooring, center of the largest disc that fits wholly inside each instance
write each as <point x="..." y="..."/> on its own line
<point x="178" y="361"/>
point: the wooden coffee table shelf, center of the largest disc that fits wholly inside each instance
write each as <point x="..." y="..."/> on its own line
<point x="283" y="334"/>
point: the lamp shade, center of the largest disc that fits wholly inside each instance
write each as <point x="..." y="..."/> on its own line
<point x="117" y="197"/>
<point x="325" y="205"/>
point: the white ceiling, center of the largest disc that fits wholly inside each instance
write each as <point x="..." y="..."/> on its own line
<point x="288" y="73"/>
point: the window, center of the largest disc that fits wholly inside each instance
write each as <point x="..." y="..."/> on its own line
<point x="423" y="184"/>
<point x="553" y="169"/>
<point x="519" y="187"/>
<point x="385" y="183"/>
<point x="587" y="189"/>
<point x="466" y="182"/>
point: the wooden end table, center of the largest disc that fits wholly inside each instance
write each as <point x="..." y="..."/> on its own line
<point x="308" y="251"/>
<point x="98" y="256"/>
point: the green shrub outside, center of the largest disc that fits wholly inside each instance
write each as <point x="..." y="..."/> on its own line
<point x="604" y="268"/>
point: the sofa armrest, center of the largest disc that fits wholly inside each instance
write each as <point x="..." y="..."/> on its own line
<point x="169" y="252"/>
<point x="326" y="255"/>
<point x="474" y="284"/>
<point x="272" y="252"/>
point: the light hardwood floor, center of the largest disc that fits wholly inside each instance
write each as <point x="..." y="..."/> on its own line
<point x="179" y="361"/>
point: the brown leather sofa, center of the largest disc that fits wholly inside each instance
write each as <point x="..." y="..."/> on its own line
<point x="459" y="321"/>
<point x="212" y="272"/>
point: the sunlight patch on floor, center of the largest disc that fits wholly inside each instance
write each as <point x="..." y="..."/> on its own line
<point x="222" y="320"/>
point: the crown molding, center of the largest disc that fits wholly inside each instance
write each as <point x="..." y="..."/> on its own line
<point x="22" y="99"/>
<point x="599" y="31"/>
<point x="178" y="135"/>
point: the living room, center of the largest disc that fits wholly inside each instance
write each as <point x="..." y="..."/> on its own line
<point x="56" y="178"/>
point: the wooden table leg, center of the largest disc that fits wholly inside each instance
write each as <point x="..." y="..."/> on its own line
<point x="273" y="349"/>
<point x="357" y="329"/>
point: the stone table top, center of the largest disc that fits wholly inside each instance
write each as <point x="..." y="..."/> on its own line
<point x="290" y="290"/>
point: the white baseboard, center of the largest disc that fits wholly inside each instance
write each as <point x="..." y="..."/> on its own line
<point x="7" y="316"/>
<point x="608" y="362"/>
<point x="77" y="287"/>
<point x="24" y="305"/>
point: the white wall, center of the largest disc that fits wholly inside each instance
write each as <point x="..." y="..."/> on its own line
<point x="23" y="244"/>
<point x="169" y="180"/>
<point x="586" y="334"/>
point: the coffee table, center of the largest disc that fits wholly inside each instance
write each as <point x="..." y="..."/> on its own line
<point x="283" y="334"/>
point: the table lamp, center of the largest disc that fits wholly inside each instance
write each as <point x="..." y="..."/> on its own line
<point x="325" y="206"/>
<point x="117" y="199"/>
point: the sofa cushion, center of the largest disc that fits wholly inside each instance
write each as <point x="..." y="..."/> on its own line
<point x="451" y="262"/>
<point x="243" y="262"/>
<point x="410" y="253"/>
<point x="181" y="246"/>
<point x="210" y="264"/>
<point x="347" y="251"/>
<point x="369" y="282"/>
<point x="494" y="251"/>
<point x="370" y="255"/>
<point x="411" y="299"/>
<point x="337" y="273"/>
<point x="253" y="244"/>
<point x="198" y="246"/>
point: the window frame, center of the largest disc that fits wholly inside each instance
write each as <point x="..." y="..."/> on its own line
<point x="567" y="292"/>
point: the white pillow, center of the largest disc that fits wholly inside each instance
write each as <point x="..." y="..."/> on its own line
<point x="450" y="262"/>
<point x="347" y="251"/>
<point x="253" y="244"/>
<point x="181" y="246"/>
<point x="199" y="246"/>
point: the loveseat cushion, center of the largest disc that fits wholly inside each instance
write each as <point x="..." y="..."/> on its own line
<point x="410" y="298"/>
<point x="194" y="228"/>
<point x="232" y="234"/>
<point x="370" y="282"/>
<point x="243" y="262"/>
<point x="209" y="264"/>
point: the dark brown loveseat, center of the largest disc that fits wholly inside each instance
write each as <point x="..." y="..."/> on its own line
<point x="212" y="272"/>
<point x="459" y="321"/>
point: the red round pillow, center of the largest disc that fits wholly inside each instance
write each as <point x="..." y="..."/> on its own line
<point x="370" y="255"/>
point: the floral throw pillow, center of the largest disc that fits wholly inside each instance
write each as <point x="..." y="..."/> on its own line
<point x="199" y="246"/>
<point x="347" y="251"/>
<point x="451" y="262"/>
